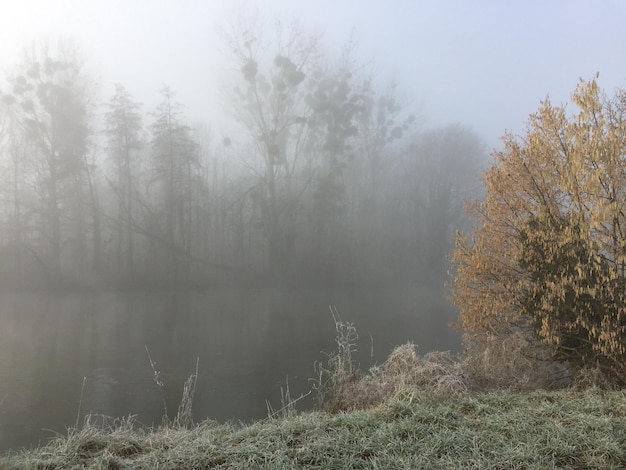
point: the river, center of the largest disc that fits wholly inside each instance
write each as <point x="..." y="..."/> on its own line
<point x="64" y="355"/>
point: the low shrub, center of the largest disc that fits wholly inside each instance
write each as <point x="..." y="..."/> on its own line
<point x="512" y="363"/>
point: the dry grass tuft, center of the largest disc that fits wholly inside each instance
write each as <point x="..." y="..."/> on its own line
<point x="494" y="363"/>
<point x="184" y="417"/>
<point x="340" y="369"/>
<point x="106" y="440"/>
<point x="288" y="404"/>
<point x="360" y="394"/>
<point x="402" y="360"/>
<point x="593" y="377"/>
<point x="435" y="373"/>
<point x="513" y="362"/>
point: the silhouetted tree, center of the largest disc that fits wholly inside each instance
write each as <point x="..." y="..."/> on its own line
<point x="376" y="184"/>
<point x="49" y="101"/>
<point x="445" y="172"/>
<point x="271" y="106"/>
<point x="176" y="167"/>
<point x="124" y="132"/>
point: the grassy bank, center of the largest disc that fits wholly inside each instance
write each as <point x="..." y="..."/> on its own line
<point x="559" y="429"/>
<point x="488" y="411"/>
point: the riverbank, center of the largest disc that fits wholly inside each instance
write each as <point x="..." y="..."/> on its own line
<point x="557" y="429"/>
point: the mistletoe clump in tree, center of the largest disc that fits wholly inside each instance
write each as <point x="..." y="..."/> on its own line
<point x="548" y="256"/>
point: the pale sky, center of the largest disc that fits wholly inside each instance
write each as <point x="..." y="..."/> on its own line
<point x="481" y="63"/>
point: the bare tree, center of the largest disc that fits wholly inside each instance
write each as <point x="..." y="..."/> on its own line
<point x="271" y="105"/>
<point x="124" y="132"/>
<point x="176" y="169"/>
<point x="49" y="106"/>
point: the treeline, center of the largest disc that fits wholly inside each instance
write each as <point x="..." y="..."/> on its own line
<point x="322" y="177"/>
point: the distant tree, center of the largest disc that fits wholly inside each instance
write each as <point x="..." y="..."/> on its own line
<point x="124" y="128"/>
<point x="382" y="124"/>
<point x="338" y="100"/>
<point x="271" y="105"/>
<point x="547" y="256"/>
<point x="304" y="114"/>
<point x="176" y="168"/>
<point x="49" y="104"/>
<point x="205" y="197"/>
<point x="11" y="156"/>
<point x="443" y="171"/>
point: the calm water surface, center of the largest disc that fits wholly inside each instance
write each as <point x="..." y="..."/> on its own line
<point x="248" y="342"/>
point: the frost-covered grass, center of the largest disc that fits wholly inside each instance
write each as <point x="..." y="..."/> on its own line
<point x="496" y="430"/>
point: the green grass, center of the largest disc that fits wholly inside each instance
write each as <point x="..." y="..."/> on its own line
<point x="496" y="430"/>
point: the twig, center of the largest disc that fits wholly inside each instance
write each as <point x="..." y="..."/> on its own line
<point x="80" y="402"/>
<point x="157" y="380"/>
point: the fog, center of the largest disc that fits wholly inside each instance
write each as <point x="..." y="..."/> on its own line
<point x="206" y="178"/>
<point x="485" y="64"/>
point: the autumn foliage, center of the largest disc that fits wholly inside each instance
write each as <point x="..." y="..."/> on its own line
<point x="547" y="257"/>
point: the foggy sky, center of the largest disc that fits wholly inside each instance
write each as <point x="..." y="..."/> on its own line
<point x="484" y="64"/>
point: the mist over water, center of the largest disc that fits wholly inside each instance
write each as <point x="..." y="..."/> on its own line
<point x="203" y="180"/>
<point x="133" y="245"/>
<point x="249" y="343"/>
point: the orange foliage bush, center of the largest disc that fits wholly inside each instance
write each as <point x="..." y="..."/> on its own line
<point x="547" y="258"/>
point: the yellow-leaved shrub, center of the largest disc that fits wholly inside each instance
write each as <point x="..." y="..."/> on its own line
<point x="547" y="256"/>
